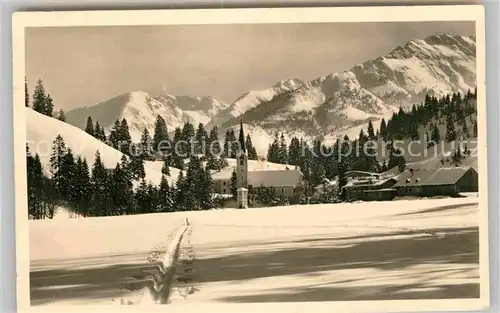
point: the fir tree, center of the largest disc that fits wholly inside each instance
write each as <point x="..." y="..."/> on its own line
<point x="193" y="187"/>
<point x="66" y="187"/>
<point x="56" y="162"/>
<point x="101" y="199"/>
<point x="99" y="132"/>
<point x="234" y="184"/>
<point x="451" y="133"/>
<point x="282" y="150"/>
<point x="331" y="161"/>
<point x="83" y="187"/>
<point x="124" y="137"/>
<point x="89" y="129"/>
<point x="252" y="152"/>
<point x="230" y="144"/>
<point x="165" y="196"/>
<point x="474" y="129"/>
<point x="370" y="158"/>
<point x="49" y="106"/>
<point x="161" y="139"/>
<point x="383" y="129"/>
<point x="26" y="94"/>
<point x="136" y="165"/>
<point x="35" y="180"/>
<point x="142" y="198"/>
<point x="317" y="168"/>
<point x="213" y="144"/>
<point x="102" y="135"/>
<point x="414" y="131"/>
<point x="201" y="139"/>
<point x="188" y="134"/>
<point x="39" y="180"/>
<point x="177" y="157"/>
<point x="180" y="197"/>
<point x="342" y="178"/>
<point x="114" y="135"/>
<point x="122" y="193"/>
<point x="205" y="190"/>
<point x="273" y="152"/>
<point x="146" y="146"/>
<point x="124" y="162"/>
<point x="39" y="98"/>
<point x="191" y="201"/>
<point x="214" y="151"/>
<point x="305" y="166"/>
<point x="294" y="151"/>
<point x="49" y="198"/>
<point x="61" y="116"/>
<point x="361" y="159"/>
<point x="153" y="196"/>
<point x="435" y="137"/>
<point x="371" y="131"/>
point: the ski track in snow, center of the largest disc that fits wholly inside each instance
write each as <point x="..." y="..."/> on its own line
<point x="227" y="245"/>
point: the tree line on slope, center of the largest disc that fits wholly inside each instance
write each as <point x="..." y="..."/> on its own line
<point x="185" y="143"/>
<point x="99" y="191"/>
<point x="318" y="161"/>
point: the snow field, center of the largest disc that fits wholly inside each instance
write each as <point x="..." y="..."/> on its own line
<point x="377" y="250"/>
<point x="384" y="250"/>
<point x="98" y="260"/>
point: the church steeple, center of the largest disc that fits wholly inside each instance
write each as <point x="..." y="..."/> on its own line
<point x="241" y="139"/>
<point x="242" y="161"/>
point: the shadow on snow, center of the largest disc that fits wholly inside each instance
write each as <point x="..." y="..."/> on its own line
<point x="458" y="246"/>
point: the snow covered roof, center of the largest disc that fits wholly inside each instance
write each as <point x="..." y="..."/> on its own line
<point x="440" y="176"/>
<point x="361" y="174"/>
<point x="275" y="178"/>
<point x="267" y="178"/>
<point x="253" y="165"/>
<point x="363" y="183"/>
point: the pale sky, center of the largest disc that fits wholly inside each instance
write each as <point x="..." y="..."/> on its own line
<point x="81" y="66"/>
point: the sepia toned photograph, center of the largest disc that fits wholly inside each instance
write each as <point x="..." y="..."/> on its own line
<point x="298" y="157"/>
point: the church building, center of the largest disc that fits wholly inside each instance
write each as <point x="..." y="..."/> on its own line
<point x="284" y="180"/>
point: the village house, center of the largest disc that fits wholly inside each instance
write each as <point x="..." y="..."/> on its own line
<point x="370" y="189"/>
<point x="444" y="181"/>
<point x="285" y="182"/>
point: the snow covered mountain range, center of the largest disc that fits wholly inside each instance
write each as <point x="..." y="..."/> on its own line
<point x="141" y="109"/>
<point x="329" y="106"/>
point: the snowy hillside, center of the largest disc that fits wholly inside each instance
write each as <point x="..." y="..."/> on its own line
<point x="42" y="130"/>
<point x="254" y="98"/>
<point x="337" y="103"/>
<point x="141" y="109"/>
<point x="441" y="64"/>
